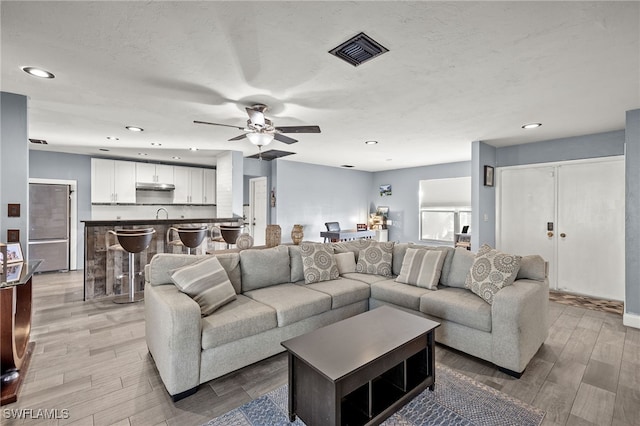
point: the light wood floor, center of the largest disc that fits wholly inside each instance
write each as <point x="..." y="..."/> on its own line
<point x="91" y="359"/>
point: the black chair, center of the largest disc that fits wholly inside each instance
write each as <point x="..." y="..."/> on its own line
<point x="332" y="227"/>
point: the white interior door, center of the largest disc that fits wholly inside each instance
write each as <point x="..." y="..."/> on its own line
<point x="258" y="210"/>
<point x="591" y="229"/>
<point x="526" y="205"/>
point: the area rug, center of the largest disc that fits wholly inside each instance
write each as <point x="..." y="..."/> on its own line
<point x="586" y="302"/>
<point x="457" y="400"/>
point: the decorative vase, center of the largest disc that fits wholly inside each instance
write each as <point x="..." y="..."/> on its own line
<point x="244" y="241"/>
<point x="297" y="234"/>
<point x="274" y="235"/>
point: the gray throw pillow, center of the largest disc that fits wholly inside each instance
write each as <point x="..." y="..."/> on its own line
<point x="460" y="266"/>
<point x="318" y="262"/>
<point x="492" y="270"/>
<point x="376" y="259"/>
<point x="422" y="268"/>
<point x="206" y="282"/>
<point x="346" y="262"/>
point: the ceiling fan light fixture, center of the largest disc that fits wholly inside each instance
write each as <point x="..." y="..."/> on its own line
<point x="260" y="139"/>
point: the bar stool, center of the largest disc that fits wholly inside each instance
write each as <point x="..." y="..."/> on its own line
<point x="190" y="236"/>
<point x="132" y="241"/>
<point x="229" y="233"/>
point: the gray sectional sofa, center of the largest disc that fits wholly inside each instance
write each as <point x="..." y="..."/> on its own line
<point x="273" y="303"/>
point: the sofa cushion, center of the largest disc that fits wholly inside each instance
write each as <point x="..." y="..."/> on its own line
<point x="346" y="262"/>
<point x="458" y="305"/>
<point x="343" y="291"/>
<point x="365" y="278"/>
<point x="461" y="263"/>
<point x="295" y="260"/>
<point x="422" y="268"/>
<point x="376" y="259"/>
<point x="532" y="267"/>
<point x="206" y="282"/>
<point x="292" y="302"/>
<point x="354" y="246"/>
<point x="400" y="294"/>
<point x="241" y="318"/>
<point x="491" y="271"/>
<point x="318" y="262"/>
<point x="264" y="267"/>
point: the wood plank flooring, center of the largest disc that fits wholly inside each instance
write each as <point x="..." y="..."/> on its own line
<point x="91" y="360"/>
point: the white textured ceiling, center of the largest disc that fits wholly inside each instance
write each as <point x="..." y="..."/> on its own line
<point x="456" y="72"/>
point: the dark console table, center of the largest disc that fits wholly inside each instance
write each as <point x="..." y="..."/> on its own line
<point x="351" y="234"/>
<point x="360" y="370"/>
<point x="15" y="329"/>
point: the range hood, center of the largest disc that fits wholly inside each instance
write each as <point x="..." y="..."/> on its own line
<point x="154" y="186"/>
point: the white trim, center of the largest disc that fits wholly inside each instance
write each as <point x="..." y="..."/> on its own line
<point x="631" y="320"/>
<point x="73" y="216"/>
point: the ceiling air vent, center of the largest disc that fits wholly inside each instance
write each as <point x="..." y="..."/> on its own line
<point x="38" y="141"/>
<point x="272" y="154"/>
<point x="359" y="49"/>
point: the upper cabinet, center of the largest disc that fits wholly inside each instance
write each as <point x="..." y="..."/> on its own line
<point x="209" y="183"/>
<point x="189" y="185"/>
<point x="159" y="173"/>
<point x="113" y="181"/>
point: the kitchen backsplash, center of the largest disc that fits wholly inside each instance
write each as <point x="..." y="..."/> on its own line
<point x="117" y="212"/>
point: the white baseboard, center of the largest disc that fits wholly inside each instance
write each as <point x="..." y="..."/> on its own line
<point x="631" y="320"/>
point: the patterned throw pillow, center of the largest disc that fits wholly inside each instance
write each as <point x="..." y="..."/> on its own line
<point x="206" y="282"/>
<point x="318" y="262"/>
<point x="422" y="268"/>
<point x="491" y="271"/>
<point x="376" y="259"/>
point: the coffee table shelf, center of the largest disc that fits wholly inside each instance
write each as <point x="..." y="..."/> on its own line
<point x="361" y="370"/>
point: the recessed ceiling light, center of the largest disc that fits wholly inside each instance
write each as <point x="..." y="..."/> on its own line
<point x="38" y="72"/>
<point x="193" y="149"/>
<point x="135" y="129"/>
<point x="347" y="166"/>
<point x="113" y="138"/>
<point x="142" y="153"/>
<point x="531" y="125"/>
<point x="176" y="158"/>
<point x="371" y="142"/>
<point x="103" y="149"/>
<point x="156" y="144"/>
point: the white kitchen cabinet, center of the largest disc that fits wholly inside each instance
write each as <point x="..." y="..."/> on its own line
<point x="189" y="185"/>
<point x="158" y="173"/>
<point x="209" y="183"/>
<point x="113" y="181"/>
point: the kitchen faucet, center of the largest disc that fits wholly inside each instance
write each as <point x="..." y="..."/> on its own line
<point x="165" y="210"/>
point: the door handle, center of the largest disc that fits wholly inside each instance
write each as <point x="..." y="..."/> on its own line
<point x="563" y="235"/>
<point x="549" y="234"/>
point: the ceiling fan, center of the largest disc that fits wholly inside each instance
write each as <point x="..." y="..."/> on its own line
<point x="260" y="130"/>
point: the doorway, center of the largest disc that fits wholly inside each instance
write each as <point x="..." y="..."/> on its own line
<point x="572" y="214"/>
<point x="258" y="203"/>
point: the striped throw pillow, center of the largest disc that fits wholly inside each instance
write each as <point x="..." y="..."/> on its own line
<point x="422" y="268"/>
<point x="206" y="282"/>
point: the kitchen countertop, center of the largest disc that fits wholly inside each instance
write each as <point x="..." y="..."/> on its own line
<point x="126" y="222"/>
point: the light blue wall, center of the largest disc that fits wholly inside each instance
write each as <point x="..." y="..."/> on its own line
<point x="483" y="198"/>
<point x="404" y="201"/>
<point x="311" y="195"/>
<point x="54" y="165"/>
<point x="575" y="148"/>
<point x="14" y="166"/>
<point x="632" y="214"/>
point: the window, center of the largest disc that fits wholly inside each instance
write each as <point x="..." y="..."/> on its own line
<point x="442" y="225"/>
<point x="445" y="208"/>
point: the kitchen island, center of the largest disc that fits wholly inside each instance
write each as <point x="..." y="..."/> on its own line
<point x="105" y="263"/>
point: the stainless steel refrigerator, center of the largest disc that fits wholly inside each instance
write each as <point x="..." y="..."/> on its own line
<point x="49" y="226"/>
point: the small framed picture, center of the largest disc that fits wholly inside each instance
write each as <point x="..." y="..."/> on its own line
<point x="488" y="176"/>
<point x="14" y="253"/>
<point x="14" y="271"/>
<point x="385" y="190"/>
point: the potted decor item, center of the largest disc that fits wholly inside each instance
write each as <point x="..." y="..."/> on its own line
<point x="273" y="236"/>
<point x="297" y="234"/>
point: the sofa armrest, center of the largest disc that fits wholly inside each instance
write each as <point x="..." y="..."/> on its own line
<point x="519" y="323"/>
<point x="173" y="333"/>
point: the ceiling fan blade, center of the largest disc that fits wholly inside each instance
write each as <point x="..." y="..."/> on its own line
<point x="256" y="117"/>
<point x="218" y="124"/>
<point x="283" y="138"/>
<point x="298" y="129"/>
<point x="237" y="138"/>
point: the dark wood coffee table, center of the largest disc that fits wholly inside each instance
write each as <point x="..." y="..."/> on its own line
<point x="362" y="369"/>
